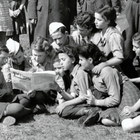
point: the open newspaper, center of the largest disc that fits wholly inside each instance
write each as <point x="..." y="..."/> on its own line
<point x="27" y="81"/>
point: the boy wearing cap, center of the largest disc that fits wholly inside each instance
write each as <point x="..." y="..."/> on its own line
<point x="60" y="35"/>
<point x="16" y="60"/>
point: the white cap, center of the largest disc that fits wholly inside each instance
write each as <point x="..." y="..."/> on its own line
<point x="13" y="46"/>
<point x="55" y="26"/>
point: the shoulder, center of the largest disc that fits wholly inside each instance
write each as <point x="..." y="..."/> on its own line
<point x="95" y="38"/>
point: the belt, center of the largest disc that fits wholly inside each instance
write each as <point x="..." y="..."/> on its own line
<point x="138" y="1"/>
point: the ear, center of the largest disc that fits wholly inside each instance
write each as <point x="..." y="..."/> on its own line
<point x="90" y="60"/>
<point x="73" y="60"/>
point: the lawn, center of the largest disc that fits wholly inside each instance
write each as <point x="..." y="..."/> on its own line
<point x="50" y="127"/>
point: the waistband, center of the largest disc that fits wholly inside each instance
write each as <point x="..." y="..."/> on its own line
<point x="138" y="1"/>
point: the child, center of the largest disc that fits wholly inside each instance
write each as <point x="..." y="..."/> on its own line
<point x="108" y="39"/>
<point x="85" y="28"/>
<point x="11" y="111"/>
<point x="59" y="77"/>
<point x="74" y="106"/>
<point x="134" y="124"/>
<point x="116" y="89"/>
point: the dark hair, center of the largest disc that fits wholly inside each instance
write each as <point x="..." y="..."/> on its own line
<point x="70" y="51"/>
<point x="56" y="58"/>
<point x="108" y="13"/>
<point x="4" y="49"/>
<point x="86" y="20"/>
<point x="41" y="44"/>
<point x="90" y="50"/>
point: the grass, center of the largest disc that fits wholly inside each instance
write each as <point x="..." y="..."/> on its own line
<point x="51" y="127"/>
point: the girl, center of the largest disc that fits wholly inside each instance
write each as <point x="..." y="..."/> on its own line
<point x="116" y="89"/>
<point x="74" y="105"/>
<point x="108" y="39"/>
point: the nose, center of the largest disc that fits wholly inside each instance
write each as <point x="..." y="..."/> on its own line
<point x="134" y="49"/>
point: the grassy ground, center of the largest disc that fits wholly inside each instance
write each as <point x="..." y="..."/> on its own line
<point x="51" y="127"/>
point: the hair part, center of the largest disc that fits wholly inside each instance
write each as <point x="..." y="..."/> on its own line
<point x="42" y="45"/>
<point x="85" y="20"/>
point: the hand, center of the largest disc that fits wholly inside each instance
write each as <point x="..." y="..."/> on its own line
<point x="16" y="13"/>
<point x="33" y="21"/>
<point x="31" y="93"/>
<point x="91" y="100"/>
<point x="97" y="69"/>
<point x="60" y="108"/>
<point x="11" y="13"/>
<point x="127" y="110"/>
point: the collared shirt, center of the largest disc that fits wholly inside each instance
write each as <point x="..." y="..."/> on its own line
<point x="108" y="82"/>
<point x="80" y="82"/>
<point x="111" y="42"/>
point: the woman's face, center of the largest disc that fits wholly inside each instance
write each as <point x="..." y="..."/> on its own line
<point x="65" y="61"/>
<point x="39" y="57"/>
<point x="136" y="49"/>
<point x="100" y="22"/>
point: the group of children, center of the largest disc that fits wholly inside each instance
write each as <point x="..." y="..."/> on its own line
<point x="89" y="86"/>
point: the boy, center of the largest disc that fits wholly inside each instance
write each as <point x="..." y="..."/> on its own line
<point x="60" y="36"/>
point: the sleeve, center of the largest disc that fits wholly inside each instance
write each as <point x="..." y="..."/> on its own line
<point x="116" y="43"/>
<point x="111" y="80"/>
<point x="32" y="9"/>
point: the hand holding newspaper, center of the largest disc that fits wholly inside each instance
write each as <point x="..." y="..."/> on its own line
<point x="28" y="81"/>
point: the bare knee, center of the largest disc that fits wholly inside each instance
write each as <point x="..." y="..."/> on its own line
<point x="108" y="122"/>
<point x="127" y="125"/>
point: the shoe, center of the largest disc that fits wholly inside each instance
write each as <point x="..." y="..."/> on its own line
<point x="9" y="120"/>
<point x="89" y="119"/>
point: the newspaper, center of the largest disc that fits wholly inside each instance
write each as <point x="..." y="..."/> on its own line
<point x="27" y="81"/>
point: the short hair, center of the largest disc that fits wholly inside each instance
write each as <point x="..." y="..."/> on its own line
<point x="70" y="51"/>
<point x="108" y="13"/>
<point x="4" y="49"/>
<point x="136" y="38"/>
<point x="42" y="45"/>
<point x="56" y="58"/>
<point x="85" y="20"/>
<point x="90" y="50"/>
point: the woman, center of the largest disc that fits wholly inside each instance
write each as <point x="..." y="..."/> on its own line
<point x="108" y="39"/>
<point x="117" y="91"/>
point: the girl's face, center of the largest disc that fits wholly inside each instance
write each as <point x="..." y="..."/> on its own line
<point x="136" y="49"/>
<point x="65" y="61"/>
<point x="100" y="22"/>
<point x="58" y="68"/>
<point x="39" y="57"/>
<point x="85" y="63"/>
<point x="18" y="58"/>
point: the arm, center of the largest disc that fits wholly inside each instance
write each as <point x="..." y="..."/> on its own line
<point x="110" y="78"/>
<point x="135" y="80"/>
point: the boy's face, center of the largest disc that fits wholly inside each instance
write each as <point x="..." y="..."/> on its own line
<point x="65" y="61"/>
<point x="136" y="49"/>
<point x="58" y="68"/>
<point x="18" y="58"/>
<point x="3" y="58"/>
<point x="85" y="63"/>
<point x="59" y="38"/>
<point x="83" y="31"/>
<point x="39" y="57"/>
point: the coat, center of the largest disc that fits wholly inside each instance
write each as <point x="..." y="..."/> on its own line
<point x="47" y="11"/>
